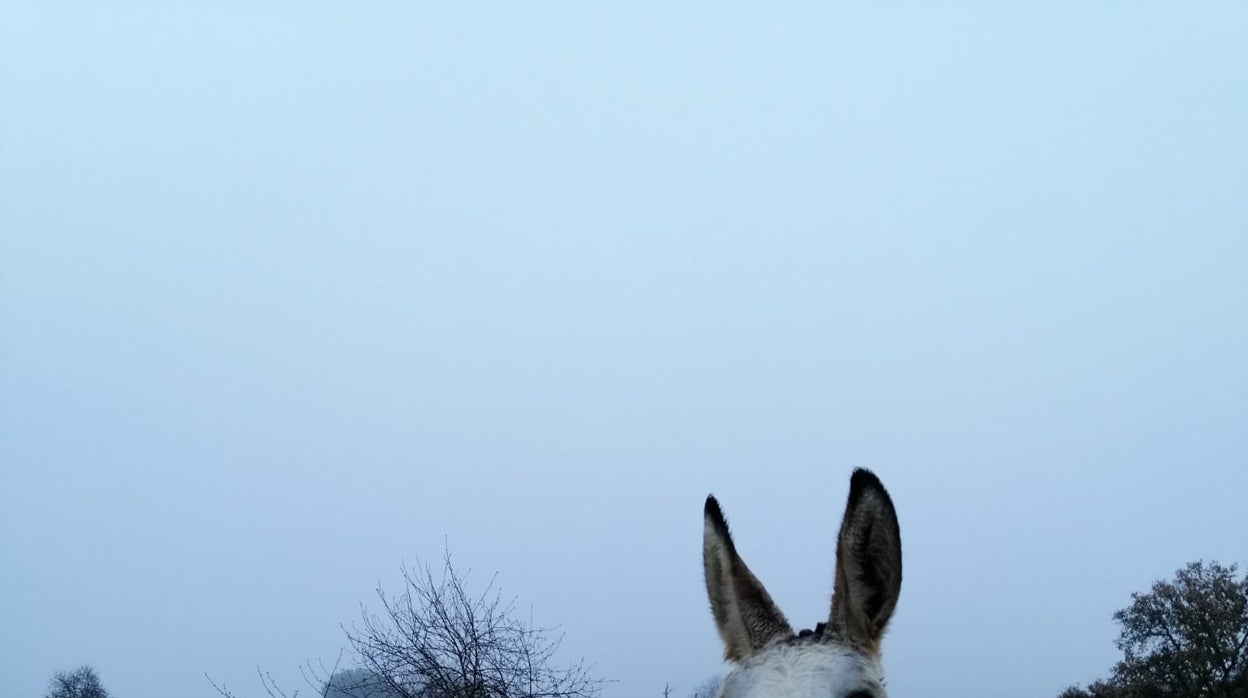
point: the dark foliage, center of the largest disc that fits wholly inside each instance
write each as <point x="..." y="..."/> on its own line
<point x="82" y="682"/>
<point x="356" y="683"/>
<point x="1184" y="638"/>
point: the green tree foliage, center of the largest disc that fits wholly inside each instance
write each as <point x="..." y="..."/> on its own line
<point x="1184" y="638"/>
<point x="82" y="682"/>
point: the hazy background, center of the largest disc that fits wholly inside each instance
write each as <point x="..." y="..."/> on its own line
<point x="295" y="292"/>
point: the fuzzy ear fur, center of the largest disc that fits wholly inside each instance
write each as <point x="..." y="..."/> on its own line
<point x="746" y="616"/>
<point x="868" y="564"/>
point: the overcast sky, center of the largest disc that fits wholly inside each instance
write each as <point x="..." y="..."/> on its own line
<point x="293" y="293"/>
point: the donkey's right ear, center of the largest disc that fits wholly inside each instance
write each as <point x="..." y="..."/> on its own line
<point x="746" y="616"/>
<point x="868" y="563"/>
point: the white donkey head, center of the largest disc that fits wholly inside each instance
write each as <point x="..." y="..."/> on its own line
<point x="840" y="658"/>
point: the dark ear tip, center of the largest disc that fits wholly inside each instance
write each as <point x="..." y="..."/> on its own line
<point x="715" y="516"/>
<point x="863" y="481"/>
<point x="711" y="510"/>
<point x="862" y="477"/>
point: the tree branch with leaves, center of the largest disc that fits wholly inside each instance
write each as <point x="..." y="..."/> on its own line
<point x="1186" y="637"/>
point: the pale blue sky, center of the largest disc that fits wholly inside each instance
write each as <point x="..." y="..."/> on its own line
<point x="293" y="293"/>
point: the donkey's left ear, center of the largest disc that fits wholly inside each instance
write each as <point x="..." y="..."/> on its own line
<point x="747" y="618"/>
<point x="868" y="563"/>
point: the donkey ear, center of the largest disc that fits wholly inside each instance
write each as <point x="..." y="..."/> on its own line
<point x="868" y="563"/>
<point x="746" y="616"/>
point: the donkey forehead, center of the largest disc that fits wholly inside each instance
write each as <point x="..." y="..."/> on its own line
<point x="805" y="670"/>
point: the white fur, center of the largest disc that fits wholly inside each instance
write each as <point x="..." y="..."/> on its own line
<point x="805" y="670"/>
